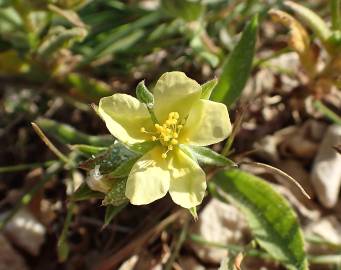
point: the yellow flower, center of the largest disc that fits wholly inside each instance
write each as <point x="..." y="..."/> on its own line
<point x="183" y="118"/>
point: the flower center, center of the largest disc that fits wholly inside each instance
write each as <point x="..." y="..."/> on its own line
<point x="167" y="133"/>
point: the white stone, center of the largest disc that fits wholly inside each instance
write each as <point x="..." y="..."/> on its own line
<point x="328" y="228"/>
<point x="326" y="171"/>
<point x="25" y="231"/>
<point x="220" y="223"/>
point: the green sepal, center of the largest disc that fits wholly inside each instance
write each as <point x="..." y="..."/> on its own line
<point x="144" y="95"/>
<point x="116" y="196"/>
<point x="207" y="88"/>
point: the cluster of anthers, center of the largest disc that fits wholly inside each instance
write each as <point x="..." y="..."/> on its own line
<point x="167" y="133"/>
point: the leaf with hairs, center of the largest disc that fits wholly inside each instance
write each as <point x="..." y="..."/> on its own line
<point x="273" y="222"/>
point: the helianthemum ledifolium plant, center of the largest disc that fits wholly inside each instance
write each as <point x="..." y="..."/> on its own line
<point x="174" y="117"/>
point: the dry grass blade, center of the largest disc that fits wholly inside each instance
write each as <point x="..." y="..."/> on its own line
<point x="278" y="172"/>
<point x="49" y="144"/>
<point x="236" y="127"/>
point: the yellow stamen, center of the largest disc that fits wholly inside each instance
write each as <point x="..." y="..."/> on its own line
<point x="167" y="133"/>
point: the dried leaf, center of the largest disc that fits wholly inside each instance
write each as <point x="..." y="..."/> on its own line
<point x="298" y="40"/>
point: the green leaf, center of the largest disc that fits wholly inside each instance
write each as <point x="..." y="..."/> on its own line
<point x="273" y="222"/>
<point x="335" y="8"/>
<point x="88" y="149"/>
<point x="143" y="147"/>
<point x="112" y="159"/>
<point x="111" y="212"/>
<point x="310" y="18"/>
<point x="185" y="9"/>
<point x="116" y="196"/>
<point x="144" y="95"/>
<point x="237" y="67"/>
<point x="88" y="87"/>
<point x="207" y="156"/>
<point x="58" y="38"/>
<point x="125" y="168"/>
<point x="63" y="248"/>
<point x="207" y="88"/>
<point x="120" y="33"/>
<point x="327" y="112"/>
<point x="69" y="135"/>
<point x="85" y="193"/>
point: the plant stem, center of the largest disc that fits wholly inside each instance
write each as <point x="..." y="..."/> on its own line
<point x="179" y="243"/>
<point x="22" y="167"/>
<point x="235" y="248"/>
<point x="335" y="8"/>
<point x="152" y="115"/>
<point x="62" y="245"/>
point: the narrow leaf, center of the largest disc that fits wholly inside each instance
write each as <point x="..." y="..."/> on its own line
<point x="68" y="14"/>
<point x="327" y="112"/>
<point x="310" y="18"/>
<point x="237" y="67"/>
<point x="62" y="37"/>
<point x="272" y="221"/>
<point x="85" y="193"/>
<point x="88" y="149"/>
<point x="335" y="8"/>
<point x="87" y="87"/>
<point x="69" y="135"/>
<point x="207" y="156"/>
<point x="110" y="160"/>
<point x="111" y="212"/>
<point x="185" y="9"/>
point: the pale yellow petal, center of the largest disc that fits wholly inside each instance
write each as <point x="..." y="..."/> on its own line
<point x="149" y="178"/>
<point x="188" y="180"/>
<point x="175" y="92"/>
<point x="124" y="116"/>
<point x="208" y="123"/>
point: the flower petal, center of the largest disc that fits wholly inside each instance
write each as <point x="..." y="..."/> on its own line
<point x="188" y="180"/>
<point x="149" y="178"/>
<point x="124" y="116"/>
<point x="208" y="123"/>
<point x="175" y="92"/>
